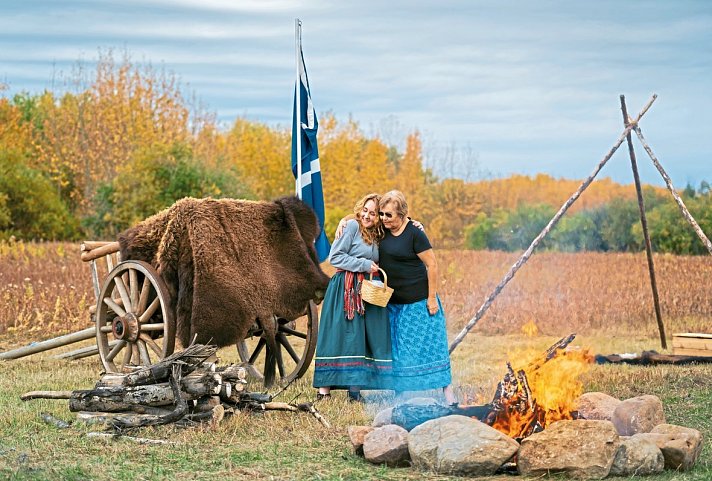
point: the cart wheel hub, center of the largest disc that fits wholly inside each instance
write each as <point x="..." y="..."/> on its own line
<point x="126" y="327"/>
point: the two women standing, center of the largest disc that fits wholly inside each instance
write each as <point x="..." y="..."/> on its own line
<point x="413" y="324"/>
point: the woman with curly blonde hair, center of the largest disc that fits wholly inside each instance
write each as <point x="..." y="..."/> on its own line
<point x="353" y="348"/>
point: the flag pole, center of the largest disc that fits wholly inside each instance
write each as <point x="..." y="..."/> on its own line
<point x="298" y="106"/>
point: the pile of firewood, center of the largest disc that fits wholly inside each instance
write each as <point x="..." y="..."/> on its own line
<point x="184" y="388"/>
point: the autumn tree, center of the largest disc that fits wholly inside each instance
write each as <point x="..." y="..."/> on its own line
<point x="86" y="136"/>
<point x="29" y="207"/>
<point x="261" y="156"/>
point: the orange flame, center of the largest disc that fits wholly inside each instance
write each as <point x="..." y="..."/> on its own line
<point x="553" y="385"/>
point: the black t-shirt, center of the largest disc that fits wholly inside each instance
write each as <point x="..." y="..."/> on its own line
<point x="406" y="273"/>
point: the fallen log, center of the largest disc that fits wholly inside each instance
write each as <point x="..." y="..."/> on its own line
<point x="409" y="416"/>
<point x="180" y="409"/>
<point x="650" y="358"/>
<point x="119" y="398"/>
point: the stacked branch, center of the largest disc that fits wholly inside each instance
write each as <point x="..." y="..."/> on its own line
<point x="184" y="388"/>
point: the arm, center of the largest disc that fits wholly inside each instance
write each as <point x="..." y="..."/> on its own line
<point x="340" y="256"/>
<point x="342" y="224"/>
<point x="428" y="258"/>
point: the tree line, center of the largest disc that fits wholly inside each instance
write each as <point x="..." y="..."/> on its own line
<point x="125" y="141"/>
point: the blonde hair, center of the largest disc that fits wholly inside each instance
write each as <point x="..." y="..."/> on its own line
<point x="374" y="233"/>
<point x="396" y="198"/>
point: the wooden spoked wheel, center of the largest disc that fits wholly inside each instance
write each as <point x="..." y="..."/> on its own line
<point x="134" y="326"/>
<point x="296" y="342"/>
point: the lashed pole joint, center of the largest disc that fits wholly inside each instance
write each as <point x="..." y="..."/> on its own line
<point x="523" y="259"/>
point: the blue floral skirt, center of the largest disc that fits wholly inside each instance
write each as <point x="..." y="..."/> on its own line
<point x="354" y="352"/>
<point x="421" y="359"/>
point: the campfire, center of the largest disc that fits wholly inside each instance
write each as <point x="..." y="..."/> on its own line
<point x="539" y="390"/>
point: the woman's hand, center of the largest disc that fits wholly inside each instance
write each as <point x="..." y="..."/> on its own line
<point x="432" y="306"/>
<point x="417" y="224"/>
<point x="374" y="268"/>
<point x="340" y="229"/>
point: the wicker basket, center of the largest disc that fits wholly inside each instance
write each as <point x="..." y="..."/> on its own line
<point x="374" y="294"/>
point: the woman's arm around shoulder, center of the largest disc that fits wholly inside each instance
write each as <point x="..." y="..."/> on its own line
<point x="340" y="255"/>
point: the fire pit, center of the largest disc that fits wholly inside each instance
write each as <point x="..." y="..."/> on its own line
<point x="539" y="421"/>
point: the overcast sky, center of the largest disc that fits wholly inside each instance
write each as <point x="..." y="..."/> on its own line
<point x="515" y="86"/>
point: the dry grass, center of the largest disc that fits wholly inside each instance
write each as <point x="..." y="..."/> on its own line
<point x="583" y="292"/>
<point x="46" y="290"/>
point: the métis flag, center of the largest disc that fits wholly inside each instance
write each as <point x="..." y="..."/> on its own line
<point x="304" y="127"/>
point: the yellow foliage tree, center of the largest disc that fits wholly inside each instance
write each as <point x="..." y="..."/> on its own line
<point x="262" y="158"/>
<point x="86" y="136"/>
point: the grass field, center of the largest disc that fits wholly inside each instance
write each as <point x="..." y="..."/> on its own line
<point x="603" y="298"/>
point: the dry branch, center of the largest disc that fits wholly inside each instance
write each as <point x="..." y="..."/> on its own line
<point x="56" y="422"/>
<point x="28" y="396"/>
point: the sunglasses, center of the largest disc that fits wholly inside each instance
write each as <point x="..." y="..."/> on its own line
<point x="387" y="215"/>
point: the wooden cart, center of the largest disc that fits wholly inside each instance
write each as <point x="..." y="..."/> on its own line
<point x="134" y="325"/>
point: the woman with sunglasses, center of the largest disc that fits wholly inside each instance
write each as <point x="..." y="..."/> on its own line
<point x="353" y="348"/>
<point x="421" y="359"/>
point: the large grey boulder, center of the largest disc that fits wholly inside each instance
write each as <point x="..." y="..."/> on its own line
<point x="584" y="449"/>
<point x="383" y="418"/>
<point x="459" y="445"/>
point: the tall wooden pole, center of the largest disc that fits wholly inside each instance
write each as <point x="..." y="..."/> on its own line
<point x="644" y="225"/>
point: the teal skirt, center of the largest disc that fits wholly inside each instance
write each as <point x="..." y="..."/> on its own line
<point x="352" y="353"/>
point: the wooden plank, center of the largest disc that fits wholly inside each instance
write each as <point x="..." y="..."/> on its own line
<point x="693" y="334"/>
<point x="690" y="340"/>
<point x="679" y="351"/>
<point x="692" y="343"/>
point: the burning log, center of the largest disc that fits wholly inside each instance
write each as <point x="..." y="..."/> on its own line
<point x="515" y="411"/>
<point x="513" y="401"/>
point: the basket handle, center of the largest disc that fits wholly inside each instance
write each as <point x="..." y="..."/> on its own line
<point x="385" y="277"/>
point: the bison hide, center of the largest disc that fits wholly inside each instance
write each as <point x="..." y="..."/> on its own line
<point x="229" y="263"/>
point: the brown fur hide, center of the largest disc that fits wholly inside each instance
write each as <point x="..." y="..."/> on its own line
<point x="228" y="263"/>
